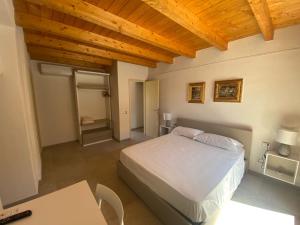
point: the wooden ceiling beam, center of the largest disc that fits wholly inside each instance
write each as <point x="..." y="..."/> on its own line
<point x="32" y="22"/>
<point x="93" y="14"/>
<point x="46" y="41"/>
<point x="172" y="10"/>
<point x="64" y="61"/>
<point x="68" y="55"/>
<point x="261" y="12"/>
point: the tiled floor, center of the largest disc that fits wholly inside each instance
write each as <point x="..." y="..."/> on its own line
<point x="267" y="193"/>
<point x="68" y="163"/>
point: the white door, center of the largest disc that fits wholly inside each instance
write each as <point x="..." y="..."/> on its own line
<point x="151" y="126"/>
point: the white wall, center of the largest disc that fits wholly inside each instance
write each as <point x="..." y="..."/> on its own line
<point x="271" y="85"/>
<point x="136" y="104"/>
<point x="92" y="103"/>
<point x="29" y="106"/>
<point x="126" y="72"/>
<point x="55" y="105"/>
<point x="7" y="13"/>
<point x="19" y="149"/>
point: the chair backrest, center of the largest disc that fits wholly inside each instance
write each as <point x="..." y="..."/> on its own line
<point x="108" y="195"/>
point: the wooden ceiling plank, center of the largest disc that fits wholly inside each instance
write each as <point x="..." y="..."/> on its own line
<point x="71" y="62"/>
<point x="172" y="10"/>
<point x="128" y="10"/>
<point x="49" y="26"/>
<point x="34" y="9"/>
<point x="116" y="8"/>
<point x="20" y="5"/>
<point x="68" y="55"/>
<point x="261" y="12"/>
<point x="100" y="17"/>
<point x="46" y="12"/>
<point x="46" y="41"/>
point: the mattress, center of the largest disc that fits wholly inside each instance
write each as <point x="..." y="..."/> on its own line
<point x="194" y="178"/>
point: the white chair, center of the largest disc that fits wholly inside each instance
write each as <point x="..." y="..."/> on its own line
<point x="108" y="195"/>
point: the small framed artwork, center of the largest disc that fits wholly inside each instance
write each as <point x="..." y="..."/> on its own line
<point x="196" y="92"/>
<point x="228" y="90"/>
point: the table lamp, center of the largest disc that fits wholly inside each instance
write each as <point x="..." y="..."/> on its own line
<point x="286" y="138"/>
<point x="167" y="119"/>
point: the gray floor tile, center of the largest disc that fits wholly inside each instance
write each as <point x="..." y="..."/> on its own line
<point x="69" y="163"/>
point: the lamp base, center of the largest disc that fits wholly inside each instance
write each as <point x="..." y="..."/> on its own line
<point x="168" y="123"/>
<point x="284" y="150"/>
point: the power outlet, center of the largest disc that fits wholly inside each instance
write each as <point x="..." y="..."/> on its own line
<point x="266" y="145"/>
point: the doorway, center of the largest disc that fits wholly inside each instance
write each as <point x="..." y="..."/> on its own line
<point x="136" y="104"/>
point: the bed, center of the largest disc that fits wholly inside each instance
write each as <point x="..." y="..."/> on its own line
<point x="184" y="181"/>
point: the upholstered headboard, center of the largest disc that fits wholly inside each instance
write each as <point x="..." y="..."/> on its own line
<point x="241" y="133"/>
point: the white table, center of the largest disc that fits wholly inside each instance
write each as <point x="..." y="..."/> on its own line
<point x="73" y="205"/>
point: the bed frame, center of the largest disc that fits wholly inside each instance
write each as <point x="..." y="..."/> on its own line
<point x="166" y="213"/>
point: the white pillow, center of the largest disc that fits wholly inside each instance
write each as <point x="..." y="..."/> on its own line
<point x="186" y="131"/>
<point x="219" y="141"/>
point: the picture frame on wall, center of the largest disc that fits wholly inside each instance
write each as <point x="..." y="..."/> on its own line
<point x="228" y="90"/>
<point x="196" y="92"/>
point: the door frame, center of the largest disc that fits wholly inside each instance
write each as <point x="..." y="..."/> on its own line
<point x="129" y="109"/>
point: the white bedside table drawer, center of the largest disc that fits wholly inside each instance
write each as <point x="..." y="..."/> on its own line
<point x="281" y="168"/>
<point x="286" y="177"/>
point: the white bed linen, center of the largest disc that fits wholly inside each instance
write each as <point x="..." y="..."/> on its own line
<point x="194" y="178"/>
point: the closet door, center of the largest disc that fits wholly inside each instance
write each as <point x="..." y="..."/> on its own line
<point x="151" y="90"/>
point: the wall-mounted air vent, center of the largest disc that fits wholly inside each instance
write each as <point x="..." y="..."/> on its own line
<point x="55" y="70"/>
<point x="92" y="72"/>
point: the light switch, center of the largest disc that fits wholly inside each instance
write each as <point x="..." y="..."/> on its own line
<point x="124" y="112"/>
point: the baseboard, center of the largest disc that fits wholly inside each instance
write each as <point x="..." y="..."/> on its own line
<point x="272" y="179"/>
<point x="46" y="146"/>
<point x="22" y="200"/>
<point x="132" y="129"/>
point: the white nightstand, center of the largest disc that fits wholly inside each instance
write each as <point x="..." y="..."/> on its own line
<point x="164" y="130"/>
<point x="282" y="168"/>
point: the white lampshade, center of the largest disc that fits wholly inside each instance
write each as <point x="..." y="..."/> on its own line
<point x="167" y="116"/>
<point x="288" y="137"/>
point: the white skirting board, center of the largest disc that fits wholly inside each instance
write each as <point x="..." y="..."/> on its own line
<point x="97" y="142"/>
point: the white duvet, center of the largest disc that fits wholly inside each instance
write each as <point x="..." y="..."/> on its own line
<point x="194" y="178"/>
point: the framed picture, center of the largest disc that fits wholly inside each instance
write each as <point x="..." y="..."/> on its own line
<point x="228" y="90"/>
<point x="196" y="92"/>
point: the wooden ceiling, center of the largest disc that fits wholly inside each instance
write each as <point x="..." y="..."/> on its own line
<point x="93" y="33"/>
